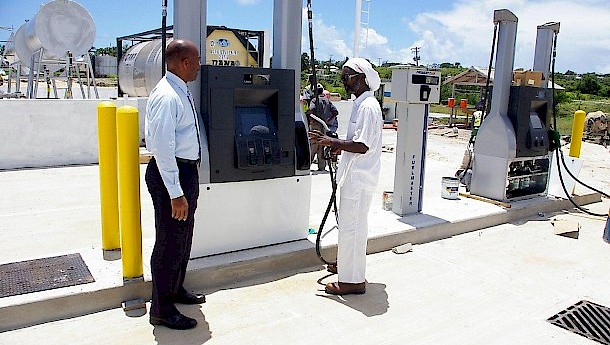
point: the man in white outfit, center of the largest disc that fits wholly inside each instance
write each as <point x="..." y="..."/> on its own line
<point x="357" y="175"/>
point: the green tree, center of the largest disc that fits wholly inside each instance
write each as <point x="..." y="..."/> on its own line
<point x="589" y="84"/>
<point x="112" y="51"/>
<point x="305" y="61"/>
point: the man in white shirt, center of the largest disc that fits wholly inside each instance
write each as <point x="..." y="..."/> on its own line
<point x="172" y="177"/>
<point x="357" y="175"/>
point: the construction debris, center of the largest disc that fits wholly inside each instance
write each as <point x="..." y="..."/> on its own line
<point x="566" y="227"/>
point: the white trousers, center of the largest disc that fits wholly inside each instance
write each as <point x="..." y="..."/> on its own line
<point x="353" y="233"/>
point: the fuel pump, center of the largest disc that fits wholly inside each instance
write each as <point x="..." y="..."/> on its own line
<point x="417" y="87"/>
<point x="511" y="149"/>
<point x="255" y="184"/>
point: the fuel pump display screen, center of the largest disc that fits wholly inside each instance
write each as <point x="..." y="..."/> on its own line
<point x="425" y="79"/>
<point x="254" y="120"/>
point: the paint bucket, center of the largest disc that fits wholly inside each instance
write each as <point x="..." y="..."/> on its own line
<point x="387" y="200"/>
<point x="450" y="188"/>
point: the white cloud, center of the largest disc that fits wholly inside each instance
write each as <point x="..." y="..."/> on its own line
<point x="464" y="32"/>
<point x="328" y="40"/>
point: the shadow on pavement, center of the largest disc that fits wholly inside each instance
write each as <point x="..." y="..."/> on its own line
<point x="195" y="336"/>
<point x="373" y="303"/>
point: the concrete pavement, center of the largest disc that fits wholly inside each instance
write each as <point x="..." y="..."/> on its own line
<point x="493" y="286"/>
<point x="47" y="212"/>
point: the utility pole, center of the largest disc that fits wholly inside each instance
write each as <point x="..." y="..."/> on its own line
<point x="416" y="57"/>
<point x="379" y="65"/>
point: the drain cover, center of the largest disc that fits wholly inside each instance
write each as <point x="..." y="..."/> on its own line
<point x="43" y="274"/>
<point x="586" y="318"/>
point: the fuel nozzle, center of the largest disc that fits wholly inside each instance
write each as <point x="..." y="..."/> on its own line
<point x="329" y="152"/>
<point x="554" y="140"/>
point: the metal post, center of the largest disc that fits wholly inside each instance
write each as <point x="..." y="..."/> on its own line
<point x="287" y="42"/>
<point x="94" y="82"/>
<point x="10" y="76"/>
<point x="68" y="94"/>
<point x="128" y="149"/>
<point x="544" y="48"/>
<point x="119" y="56"/>
<point x="18" y="78"/>
<point x="35" y="95"/>
<point x="80" y="81"/>
<point x="357" y="28"/>
<point x="163" y="34"/>
<point x="190" y="23"/>
<point x="30" y="89"/>
<point x="109" y="194"/>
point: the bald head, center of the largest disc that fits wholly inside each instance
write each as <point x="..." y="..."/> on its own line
<point x="182" y="59"/>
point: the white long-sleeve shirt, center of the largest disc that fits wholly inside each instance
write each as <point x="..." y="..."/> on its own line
<point x="365" y="126"/>
<point x="171" y="129"/>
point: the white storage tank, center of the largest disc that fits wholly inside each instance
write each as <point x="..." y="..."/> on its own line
<point x="58" y="27"/>
<point x="105" y="65"/>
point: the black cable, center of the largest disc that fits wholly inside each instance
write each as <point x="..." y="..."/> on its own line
<point x="559" y="153"/>
<point x="313" y="59"/>
<point x="491" y="57"/>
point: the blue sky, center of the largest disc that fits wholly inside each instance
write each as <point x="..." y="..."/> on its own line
<point x="446" y="31"/>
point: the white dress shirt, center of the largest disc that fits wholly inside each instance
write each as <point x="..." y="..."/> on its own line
<point x="365" y="126"/>
<point x="171" y="129"/>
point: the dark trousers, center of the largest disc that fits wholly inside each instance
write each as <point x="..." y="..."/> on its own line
<point x="173" y="237"/>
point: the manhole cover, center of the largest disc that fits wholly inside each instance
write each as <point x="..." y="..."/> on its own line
<point x="586" y="318"/>
<point x="43" y="274"/>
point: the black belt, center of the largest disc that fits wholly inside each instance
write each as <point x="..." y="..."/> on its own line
<point x="188" y="161"/>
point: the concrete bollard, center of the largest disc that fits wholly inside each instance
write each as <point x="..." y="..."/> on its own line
<point x="109" y="198"/>
<point x="578" y="126"/>
<point x="129" y="191"/>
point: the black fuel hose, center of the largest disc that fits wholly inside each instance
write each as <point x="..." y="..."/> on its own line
<point x="327" y="156"/>
<point x="559" y="153"/>
<point x="332" y="204"/>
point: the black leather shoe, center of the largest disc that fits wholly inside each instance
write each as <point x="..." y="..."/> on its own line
<point x="177" y="321"/>
<point x="190" y="298"/>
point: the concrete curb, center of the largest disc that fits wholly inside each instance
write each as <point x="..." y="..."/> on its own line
<point x="267" y="263"/>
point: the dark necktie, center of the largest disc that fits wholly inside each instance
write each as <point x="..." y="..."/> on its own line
<point x="190" y="97"/>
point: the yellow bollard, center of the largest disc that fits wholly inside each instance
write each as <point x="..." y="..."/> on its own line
<point x="578" y="126"/>
<point x="129" y="191"/>
<point x="109" y="197"/>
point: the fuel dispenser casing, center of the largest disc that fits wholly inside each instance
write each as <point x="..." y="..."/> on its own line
<point x="529" y="112"/>
<point x="415" y="87"/>
<point x="254" y="196"/>
<point x="248" y="114"/>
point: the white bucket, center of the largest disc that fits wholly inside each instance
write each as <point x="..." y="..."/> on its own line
<point x="450" y="188"/>
<point x="387" y="200"/>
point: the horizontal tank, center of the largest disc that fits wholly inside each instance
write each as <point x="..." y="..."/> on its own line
<point x="140" y="68"/>
<point x="58" y="27"/>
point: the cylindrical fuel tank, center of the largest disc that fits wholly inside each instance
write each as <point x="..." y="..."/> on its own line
<point x="58" y="27"/>
<point x="140" y="68"/>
